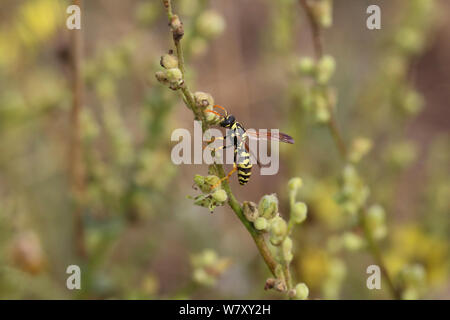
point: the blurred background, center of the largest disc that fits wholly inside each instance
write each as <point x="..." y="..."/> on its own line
<point x="124" y="216"/>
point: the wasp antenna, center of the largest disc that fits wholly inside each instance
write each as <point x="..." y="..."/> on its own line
<point x="216" y="113"/>
<point x="220" y="107"/>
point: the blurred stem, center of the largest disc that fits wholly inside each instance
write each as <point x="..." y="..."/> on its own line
<point x="75" y="151"/>
<point x="232" y="201"/>
<point x="339" y="141"/>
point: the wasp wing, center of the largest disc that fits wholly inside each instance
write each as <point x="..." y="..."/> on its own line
<point x="269" y="135"/>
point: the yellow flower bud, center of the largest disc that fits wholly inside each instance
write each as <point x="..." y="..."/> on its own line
<point x="301" y="291"/>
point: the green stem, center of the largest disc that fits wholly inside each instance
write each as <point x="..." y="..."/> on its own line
<point x="339" y="141"/>
<point x="232" y="201"/>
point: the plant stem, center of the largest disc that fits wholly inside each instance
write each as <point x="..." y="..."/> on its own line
<point x="339" y="141"/>
<point x="75" y="151"/>
<point x="258" y="238"/>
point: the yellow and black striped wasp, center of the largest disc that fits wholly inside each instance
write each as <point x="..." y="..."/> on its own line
<point x="239" y="136"/>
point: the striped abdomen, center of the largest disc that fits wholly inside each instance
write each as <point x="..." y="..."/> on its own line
<point x="244" y="165"/>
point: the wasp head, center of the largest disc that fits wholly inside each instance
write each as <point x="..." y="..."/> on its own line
<point x="228" y="121"/>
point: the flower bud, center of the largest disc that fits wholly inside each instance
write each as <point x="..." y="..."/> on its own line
<point x="295" y="184"/>
<point x="307" y="66"/>
<point x="322" y="11"/>
<point x="299" y="212"/>
<point x="174" y="76"/>
<point x="268" y="206"/>
<point x="177" y="28"/>
<point x="161" y="77"/>
<point x="278" y="230"/>
<point x="287" y="249"/>
<point x="352" y="241"/>
<point x="360" y="147"/>
<point x="250" y="211"/>
<point x="325" y="69"/>
<point x="212" y="180"/>
<point x="301" y="291"/>
<point x="27" y="252"/>
<point x="169" y="61"/>
<point x="220" y="195"/>
<point x="210" y="24"/>
<point x="376" y="221"/>
<point x="261" y="224"/>
<point x="203" y="99"/>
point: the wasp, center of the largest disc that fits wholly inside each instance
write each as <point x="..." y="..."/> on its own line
<point x="239" y="140"/>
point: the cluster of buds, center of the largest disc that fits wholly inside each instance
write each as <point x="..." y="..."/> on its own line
<point x="376" y="221"/>
<point x="321" y="71"/>
<point x="172" y="75"/>
<point x="412" y="279"/>
<point x="266" y="218"/>
<point x="212" y="193"/>
<point x="318" y="99"/>
<point x="208" y="267"/>
<point x="353" y="192"/>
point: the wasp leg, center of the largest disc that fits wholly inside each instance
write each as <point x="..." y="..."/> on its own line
<point x="212" y="140"/>
<point x="227" y="177"/>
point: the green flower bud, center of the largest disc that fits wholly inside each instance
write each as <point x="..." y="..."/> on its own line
<point x="307" y="66"/>
<point x="299" y="212"/>
<point x="250" y="211"/>
<point x="220" y="195"/>
<point x="212" y="180"/>
<point x="322" y="11"/>
<point x="360" y="147"/>
<point x="278" y="230"/>
<point x="169" y="61"/>
<point x="301" y="291"/>
<point x="352" y="242"/>
<point x="325" y="69"/>
<point x="174" y="76"/>
<point x="287" y="249"/>
<point x="414" y="275"/>
<point x="268" y="206"/>
<point x="202" y="277"/>
<point x="203" y="99"/>
<point x="261" y="224"/>
<point x="210" y="24"/>
<point x="209" y="257"/>
<point x="409" y="40"/>
<point x="412" y="102"/>
<point x="376" y="218"/>
<point x="295" y="184"/>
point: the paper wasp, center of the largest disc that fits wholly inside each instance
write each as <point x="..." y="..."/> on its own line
<point x="239" y="135"/>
